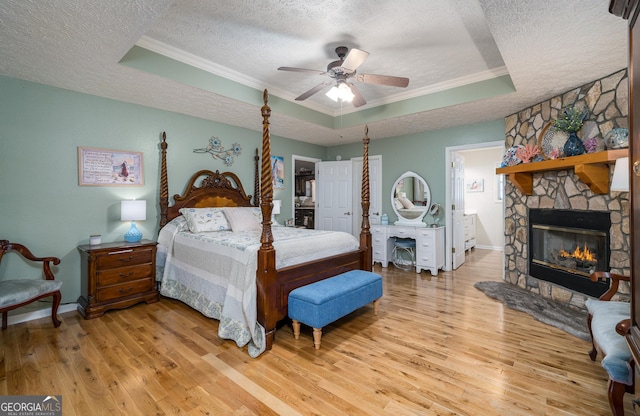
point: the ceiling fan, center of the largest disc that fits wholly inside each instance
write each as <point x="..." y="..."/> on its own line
<point x="343" y="70"/>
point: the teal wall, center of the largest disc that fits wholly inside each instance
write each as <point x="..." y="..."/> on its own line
<point x="43" y="207"/>
<point x="422" y="153"/>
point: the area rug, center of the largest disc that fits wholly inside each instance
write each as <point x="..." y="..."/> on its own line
<point x="544" y="310"/>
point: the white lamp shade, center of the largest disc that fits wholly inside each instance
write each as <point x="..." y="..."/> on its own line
<point x="133" y="210"/>
<point x="276" y="207"/>
<point x="342" y="92"/>
<point x="620" y="180"/>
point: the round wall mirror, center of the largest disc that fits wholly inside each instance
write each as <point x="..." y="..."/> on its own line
<point x="410" y="199"/>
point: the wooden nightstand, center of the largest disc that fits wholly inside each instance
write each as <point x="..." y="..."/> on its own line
<point x="116" y="276"/>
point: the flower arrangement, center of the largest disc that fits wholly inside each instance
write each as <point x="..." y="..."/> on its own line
<point x="591" y="144"/>
<point x="571" y="119"/>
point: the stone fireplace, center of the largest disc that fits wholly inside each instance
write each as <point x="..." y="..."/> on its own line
<point x="562" y="190"/>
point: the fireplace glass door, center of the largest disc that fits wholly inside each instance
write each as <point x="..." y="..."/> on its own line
<point x="566" y="246"/>
<point x="572" y="250"/>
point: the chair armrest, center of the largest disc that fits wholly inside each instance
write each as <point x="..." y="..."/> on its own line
<point x="615" y="282"/>
<point x="623" y="327"/>
<point x="7" y="246"/>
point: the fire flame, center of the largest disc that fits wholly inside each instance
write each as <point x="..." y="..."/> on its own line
<point x="580" y="254"/>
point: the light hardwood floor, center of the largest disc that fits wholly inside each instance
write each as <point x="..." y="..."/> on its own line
<point x="438" y="347"/>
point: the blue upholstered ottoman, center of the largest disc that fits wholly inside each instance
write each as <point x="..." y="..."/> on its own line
<point x="326" y="301"/>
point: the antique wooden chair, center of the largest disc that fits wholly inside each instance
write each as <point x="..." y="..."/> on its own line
<point x="608" y="324"/>
<point x="18" y="292"/>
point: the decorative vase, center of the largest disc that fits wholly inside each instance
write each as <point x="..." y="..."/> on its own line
<point x="617" y="138"/>
<point x="573" y="146"/>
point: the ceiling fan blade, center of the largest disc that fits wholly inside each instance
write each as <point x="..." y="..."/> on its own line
<point x="358" y="99"/>
<point x="383" y="80"/>
<point x="288" y="68"/>
<point x="354" y="59"/>
<point x="312" y="91"/>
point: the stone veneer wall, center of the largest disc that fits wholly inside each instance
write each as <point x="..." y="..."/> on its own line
<point x="607" y="101"/>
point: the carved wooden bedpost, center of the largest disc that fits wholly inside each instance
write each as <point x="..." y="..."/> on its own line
<point x="266" y="273"/>
<point x="365" y="233"/>
<point x="164" y="183"/>
<point x="256" y="180"/>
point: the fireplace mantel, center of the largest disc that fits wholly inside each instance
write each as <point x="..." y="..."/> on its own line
<point x="591" y="168"/>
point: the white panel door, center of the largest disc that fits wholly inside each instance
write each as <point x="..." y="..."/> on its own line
<point x="457" y="209"/>
<point x="375" y="192"/>
<point x="334" y="207"/>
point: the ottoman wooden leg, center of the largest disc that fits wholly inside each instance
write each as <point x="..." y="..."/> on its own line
<point x="376" y="305"/>
<point x="296" y="328"/>
<point x="317" y="334"/>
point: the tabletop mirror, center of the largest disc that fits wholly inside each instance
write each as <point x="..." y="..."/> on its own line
<point x="410" y="199"/>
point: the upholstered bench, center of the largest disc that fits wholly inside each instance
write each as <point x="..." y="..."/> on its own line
<point x="326" y="301"/>
<point x="606" y="320"/>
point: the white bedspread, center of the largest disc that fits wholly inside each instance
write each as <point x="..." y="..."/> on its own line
<point x="215" y="272"/>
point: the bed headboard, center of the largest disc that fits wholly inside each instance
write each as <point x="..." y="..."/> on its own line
<point x="205" y="189"/>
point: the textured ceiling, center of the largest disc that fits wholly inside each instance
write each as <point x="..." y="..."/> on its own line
<point x="545" y="47"/>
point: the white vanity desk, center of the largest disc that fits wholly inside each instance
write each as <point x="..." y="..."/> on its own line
<point x="411" y="201"/>
<point x="429" y="245"/>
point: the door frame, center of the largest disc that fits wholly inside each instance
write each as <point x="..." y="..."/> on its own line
<point x="449" y="152"/>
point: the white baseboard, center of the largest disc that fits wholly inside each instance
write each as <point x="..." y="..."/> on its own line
<point x="496" y="248"/>
<point x="41" y="313"/>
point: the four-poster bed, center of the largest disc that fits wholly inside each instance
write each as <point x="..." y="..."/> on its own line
<point x="275" y="276"/>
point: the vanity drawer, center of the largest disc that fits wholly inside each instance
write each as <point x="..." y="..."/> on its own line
<point x="378" y="239"/>
<point x="402" y="232"/>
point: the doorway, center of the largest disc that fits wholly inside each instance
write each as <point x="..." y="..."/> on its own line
<point x="452" y="188"/>
<point x="303" y="195"/>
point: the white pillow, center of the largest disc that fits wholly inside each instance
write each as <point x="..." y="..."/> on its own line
<point x="205" y="219"/>
<point x="244" y="218"/>
<point x="397" y="203"/>
<point x="406" y="203"/>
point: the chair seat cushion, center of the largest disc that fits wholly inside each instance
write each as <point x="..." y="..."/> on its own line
<point x="605" y="316"/>
<point x="14" y="292"/>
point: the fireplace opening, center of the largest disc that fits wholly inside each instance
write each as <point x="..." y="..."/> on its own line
<point x="566" y="246"/>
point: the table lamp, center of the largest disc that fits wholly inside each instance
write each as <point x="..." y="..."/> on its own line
<point x="133" y="211"/>
<point x="620" y="180"/>
<point x="277" y="203"/>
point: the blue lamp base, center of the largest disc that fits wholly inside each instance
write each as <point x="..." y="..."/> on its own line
<point x="133" y="235"/>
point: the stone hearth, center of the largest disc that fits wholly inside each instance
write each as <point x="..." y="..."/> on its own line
<point x="607" y="101"/>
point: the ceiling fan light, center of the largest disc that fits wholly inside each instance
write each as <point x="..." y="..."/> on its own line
<point x="333" y="93"/>
<point x="344" y="92"/>
<point x="341" y="92"/>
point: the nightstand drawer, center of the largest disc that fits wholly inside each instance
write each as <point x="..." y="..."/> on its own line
<point x="123" y="274"/>
<point x="125" y="289"/>
<point x="124" y="257"/>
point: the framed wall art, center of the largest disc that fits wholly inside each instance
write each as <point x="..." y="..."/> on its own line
<point x="277" y="172"/>
<point x="103" y="167"/>
<point x="475" y="185"/>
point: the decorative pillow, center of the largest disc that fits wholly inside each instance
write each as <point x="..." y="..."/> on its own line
<point x="244" y="218"/>
<point x="397" y="203"/>
<point x="205" y="219"/>
<point x="406" y="203"/>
